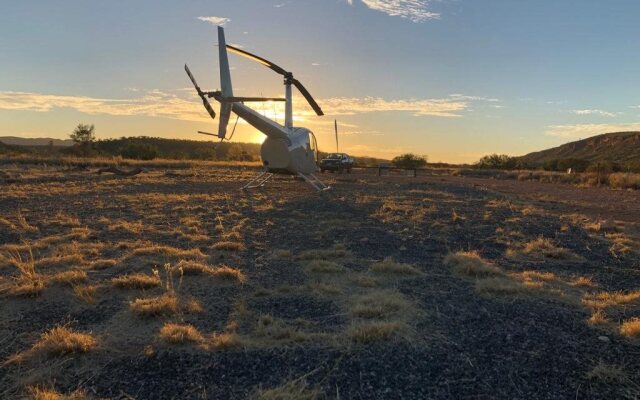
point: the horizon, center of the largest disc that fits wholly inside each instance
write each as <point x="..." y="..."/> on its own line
<point x="450" y="79"/>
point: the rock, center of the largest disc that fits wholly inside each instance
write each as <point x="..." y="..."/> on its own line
<point x="604" y="339"/>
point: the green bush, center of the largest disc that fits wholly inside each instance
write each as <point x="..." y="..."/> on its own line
<point x="139" y="151"/>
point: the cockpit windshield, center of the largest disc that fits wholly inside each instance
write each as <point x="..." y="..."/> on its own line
<point x="334" y="156"/>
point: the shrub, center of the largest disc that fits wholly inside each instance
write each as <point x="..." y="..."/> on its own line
<point x="409" y="161"/>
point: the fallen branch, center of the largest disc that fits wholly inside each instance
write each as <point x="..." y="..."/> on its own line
<point x="117" y="171"/>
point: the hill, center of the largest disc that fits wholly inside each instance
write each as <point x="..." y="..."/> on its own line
<point x="18" y="141"/>
<point x="617" y="147"/>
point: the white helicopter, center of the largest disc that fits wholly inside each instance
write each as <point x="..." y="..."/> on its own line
<point x="287" y="149"/>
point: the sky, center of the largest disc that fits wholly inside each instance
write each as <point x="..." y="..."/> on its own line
<point x="450" y="79"/>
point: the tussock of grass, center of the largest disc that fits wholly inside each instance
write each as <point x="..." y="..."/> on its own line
<point x="545" y="248"/>
<point x="337" y="251"/>
<point x="470" y="264"/>
<point x="69" y="277"/>
<point x="41" y="393"/>
<point x="226" y="273"/>
<point x="166" y="304"/>
<point x="293" y="390"/>
<point x="229" y="246"/>
<point x="136" y="281"/>
<point x="324" y="267"/>
<point x="608" y="373"/>
<point x="125" y="226"/>
<point x="86" y="293"/>
<point x="389" y="266"/>
<point x="180" y="334"/>
<point x="380" y="304"/>
<point x="598" y="318"/>
<point x="58" y="341"/>
<point x="583" y="281"/>
<point x="192" y="268"/>
<point x="103" y="264"/>
<point x="225" y="340"/>
<point x="167" y="251"/>
<point x="538" y="276"/>
<point x="499" y="286"/>
<point x="620" y="243"/>
<point x="281" y="254"/>
<point x="192" y="306"/>
<point x="270" y="328"/>
<point x="610" y="299"/>
<point x="373" y="331"/>
<point x="364" y="281"/>
<point x="631" y="328"/>
<point x="60" y="261"/>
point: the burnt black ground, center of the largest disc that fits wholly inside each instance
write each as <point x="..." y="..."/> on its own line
<point x="466" y="346"/>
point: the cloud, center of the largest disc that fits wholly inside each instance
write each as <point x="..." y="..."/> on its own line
<point x="179" y="104"/>
<point x="473" y="98"/>
<point x="414" y="10"/>
<point x="417" y="107"/>
<point x="595" y="112"/>
<point x="154" y="103"/>
<point x="582" y="131"/>
<point x="215" y="20"/>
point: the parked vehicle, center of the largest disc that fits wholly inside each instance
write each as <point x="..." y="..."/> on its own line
<point x="336" y="162"/>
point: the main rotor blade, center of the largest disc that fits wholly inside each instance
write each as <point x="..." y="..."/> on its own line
<point x="308" y="96"/>
<point x="258" y="59"/>
<point x="250" y="99"/>
<point x="205" y="102"/>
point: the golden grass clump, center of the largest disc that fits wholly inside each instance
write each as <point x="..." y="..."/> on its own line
<point x="545" y="248"/>
<point x="190" y="267"/>
<point x="56" y="342"/>
<point x="136" y="281"/>
<point x="373" y="331"/>
<point x="103" y="264"/>
<point x="391" y="267"/>
<point x="180" y="334"/>
<point x="41" y="393"/>
<point x="583" y="281"/>
<point x="86" y="293"/>
<point x="471" y="264"/>
<point x="598" y="318"/>
<point x="610" y="299"/>
<point x="69" y="277"/>
<point x="228" y="274"/>
<point x="165" y="304"/>
<point x="293" y="390"/>
<point x="225" y="340"/>
<point x="631" y="328"/>
<point x="228" y="246"/>
<point x="167" y="251"/>
<point x="538" y="276"/>
<point x="380" y="304"/>
<point x="324" y="267"/>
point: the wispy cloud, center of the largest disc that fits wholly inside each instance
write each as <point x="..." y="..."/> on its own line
<point x="414" y="10"/>
<point x="215" y="20"/>
<point x="582" y="131"/>
<point x="178" y="104"/>
<point x="595" y="112"/>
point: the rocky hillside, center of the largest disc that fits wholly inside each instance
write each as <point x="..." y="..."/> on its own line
<point x="619" y="147"/>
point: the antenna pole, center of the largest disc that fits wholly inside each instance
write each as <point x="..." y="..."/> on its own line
<point x="335" y="123"/>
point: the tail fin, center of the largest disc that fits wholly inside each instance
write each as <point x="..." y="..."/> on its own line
<point x="225" y="84"/>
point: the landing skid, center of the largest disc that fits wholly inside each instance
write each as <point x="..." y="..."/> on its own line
<point x="258" y="181"/>
<point x="313" y="180"/>
<point x="264" y="176"/>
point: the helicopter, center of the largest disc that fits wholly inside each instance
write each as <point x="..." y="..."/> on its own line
<point x="286" y="149"/>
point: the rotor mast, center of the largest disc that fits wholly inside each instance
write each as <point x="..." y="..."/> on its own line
<point x="288" y="109"/>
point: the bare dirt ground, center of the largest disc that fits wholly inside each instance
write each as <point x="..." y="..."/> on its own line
<point x="175" y="284"/>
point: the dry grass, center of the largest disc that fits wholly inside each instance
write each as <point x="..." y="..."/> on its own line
<point x="598" y="318"/>
<point x="70" y="277"/>
<point x="42" y="393"/>
<point x="620" y="243"/>
<point x="136" y="281"/>
<point x="28" y="283"/>
<point x="337" y="251"/>
<point x="538" y="276"/>
<point x="391" y="267"/>
<point x="229" y="246"/>
<point x="608" y="373"/>
<point x="324" y="267"/>
<point x="167" y="251"/>
<point x="380" y="304"/>
<point x="631" y="328"/>
<point x="226" y="273"/>
<point x="225" y="340"/>
<point x="500" y="286"/>
<point x="542" y="248"/>
<point x="166" y="304"/>
<point x="470" y="264"/>
<point x="103" y="264"/>
<point x="292" y="390"/>
<point x="180" y="334"/>
<point x="187" y="267"/>
<point x="369" y="332"/>
<point x="56" y="342"/>
<point x="271" y="328"/>
<point x="86" y="293"/>
<point x="61" y="261"/>
<point x="583" y="281"/>
<point x="610" y="299"/>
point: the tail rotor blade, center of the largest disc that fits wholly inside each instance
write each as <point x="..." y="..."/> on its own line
<point x="205" y="102"/>
<point x="308" y="96"/>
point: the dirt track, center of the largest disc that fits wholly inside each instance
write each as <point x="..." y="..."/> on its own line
<point x="309" y="259"/>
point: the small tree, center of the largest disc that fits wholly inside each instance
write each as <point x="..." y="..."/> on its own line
<point x="409" y="161"/>
<point x="84" y="136"/>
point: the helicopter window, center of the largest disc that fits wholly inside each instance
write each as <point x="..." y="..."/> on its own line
<point x="310" y="144"/>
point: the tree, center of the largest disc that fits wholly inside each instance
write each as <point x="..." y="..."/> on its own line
<point x="496" y="161"/>
<point x="409" y="161"/>
<point x="83" y="136"/>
